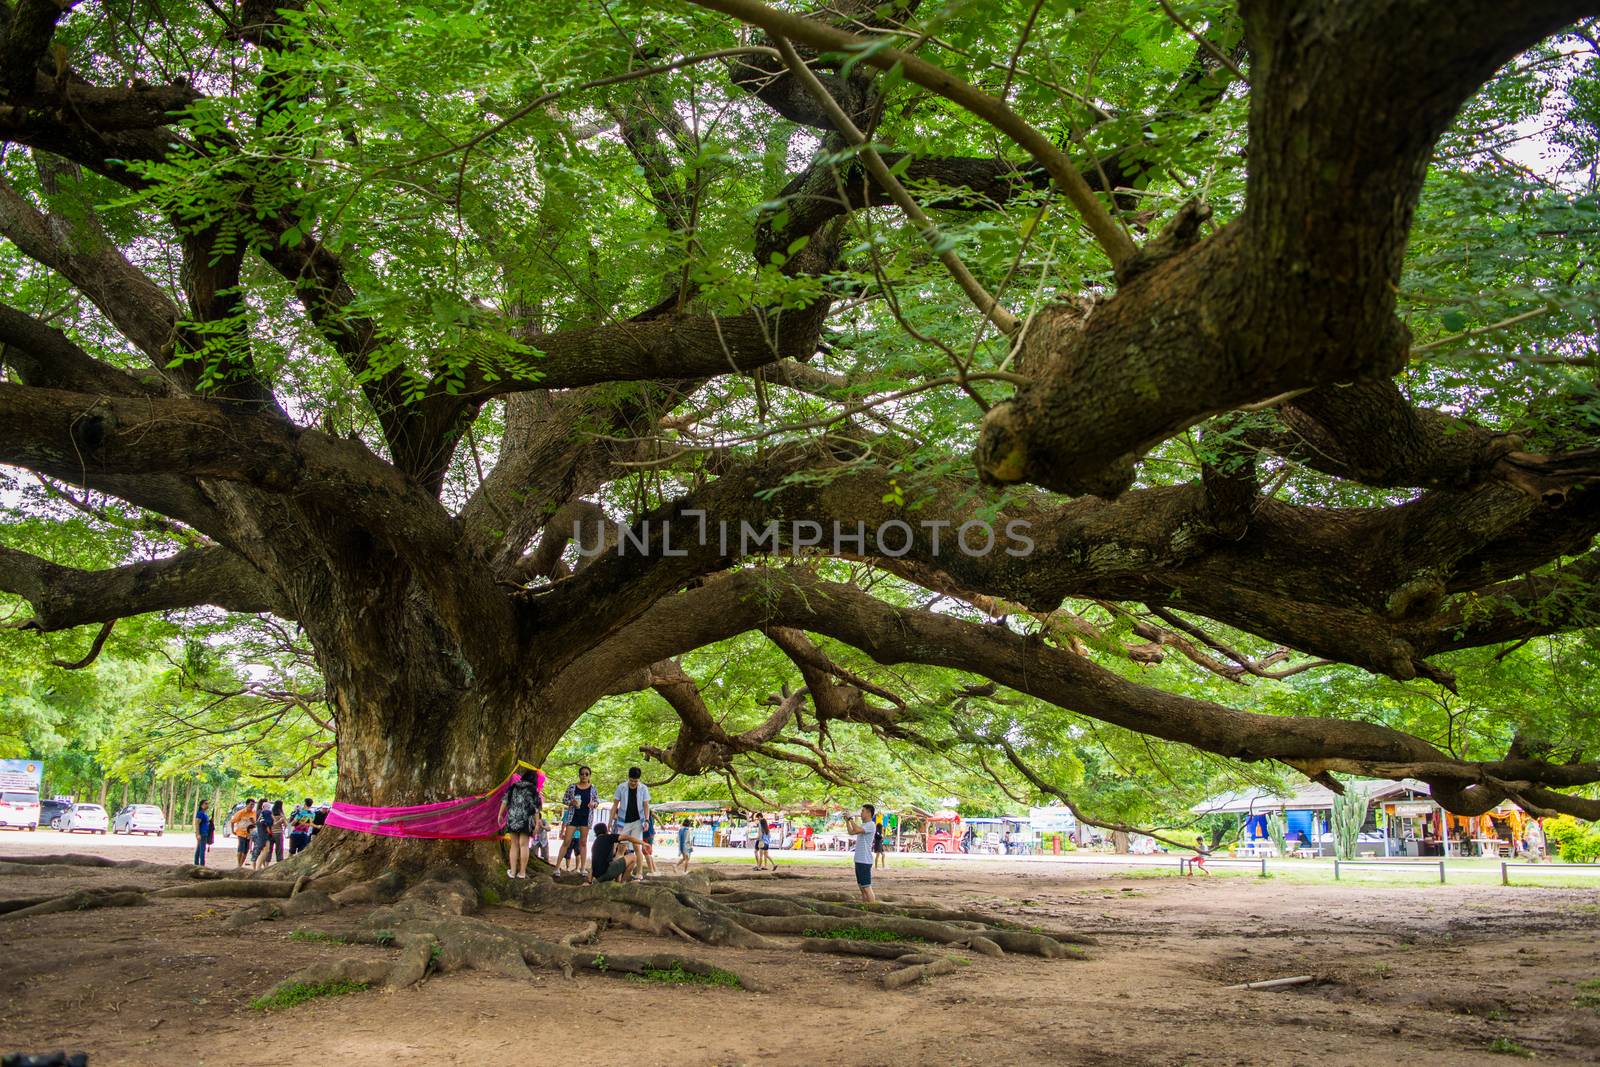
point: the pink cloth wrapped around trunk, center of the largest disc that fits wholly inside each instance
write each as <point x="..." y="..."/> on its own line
<point x="462" y="819"/>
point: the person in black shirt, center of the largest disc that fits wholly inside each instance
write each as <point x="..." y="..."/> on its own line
<point x="604" y="863"/>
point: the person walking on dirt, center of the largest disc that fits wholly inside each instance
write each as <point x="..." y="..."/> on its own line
<point x="878" y="856"/>
<point x="242" y="826"/>
<point x="519" y="812"/>
<point x="865" y="830"/>
<point x="685" y="846"/>
<point x="580" y="801"/>
<point x="202" y="832"/>
<point x="1198" y="860"/>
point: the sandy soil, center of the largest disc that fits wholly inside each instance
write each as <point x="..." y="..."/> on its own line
<point x="1432" y="974"/>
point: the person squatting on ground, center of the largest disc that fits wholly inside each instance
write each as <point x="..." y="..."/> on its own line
<point x="242" y="826"/>
<point x="864" y="831"/>
<point x="301" y="824"/>
<point x="604" y="863"/>
<point x="579" y="802"/>
<point x="519" y="814"/>
<point x="202" y="832"/>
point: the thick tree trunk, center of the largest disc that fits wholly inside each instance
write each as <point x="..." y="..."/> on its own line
<point x="416" y="725"/>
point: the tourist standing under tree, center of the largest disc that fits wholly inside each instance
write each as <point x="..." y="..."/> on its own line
<point x="685" y="846"/>
<point x="864" y="830"/>
<point x="261" y="848"/>
<point x="580" y="800"/>
<point x="243" y="825"/>
<point x="202" y="832"/>
<point x="763" y="843"/>
<point x="633" y="808"/>
<point x="300" y="827"/>
<point x="280" y="826"/>
<point x="519" y="812"/>
<point x="878" y="858"/>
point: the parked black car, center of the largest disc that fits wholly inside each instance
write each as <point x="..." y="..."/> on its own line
<point x="51" y="810"/>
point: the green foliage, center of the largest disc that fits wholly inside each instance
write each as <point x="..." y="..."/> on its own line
<point x="316" y="935"/>
<point x="862" y="933"/>
<point x="678" y="975"/>
<point x="287" y="996"/>
<point x="1574" y="841"/>
<point x="1506" y="1046"/>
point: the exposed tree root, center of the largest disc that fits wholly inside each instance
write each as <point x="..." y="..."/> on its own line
<point x="831" y="902"/>
<point x="80" y="900"/>
<point x="843" y="946"/>
<point x="23" y="865"/>
<point x="228" y="887"/>
<point x="917" y="972"/>
<point x="431" y="926"/>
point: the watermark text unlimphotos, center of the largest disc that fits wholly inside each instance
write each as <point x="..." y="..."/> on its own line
<point x="893" y="539"/>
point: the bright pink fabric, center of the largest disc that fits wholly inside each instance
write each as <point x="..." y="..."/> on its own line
<point x="462" y="819"/>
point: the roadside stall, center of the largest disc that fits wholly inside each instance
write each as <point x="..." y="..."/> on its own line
<point x="706" y="815"/>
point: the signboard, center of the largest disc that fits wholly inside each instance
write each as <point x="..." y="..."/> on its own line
<point x="22" y="775"/>
<point x="1414" y="808"/>
<point x="1052" y="820"/>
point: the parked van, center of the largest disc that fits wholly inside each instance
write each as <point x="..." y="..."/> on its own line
<point x="19" y="809"/>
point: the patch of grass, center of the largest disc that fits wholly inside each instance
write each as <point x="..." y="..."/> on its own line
<point x="676" y="975"/>
<point x="1588" y="994"/>
<point x="315" y="935"/>
<point x="1507" y="1047"/>
<point x="383" y="938"/>
<point x="300" y="992"/>
<point x="489" y="895"/>
<point x="863" y="933"/>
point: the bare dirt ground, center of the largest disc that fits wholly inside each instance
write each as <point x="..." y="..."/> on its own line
<point x="1437" y="974"/>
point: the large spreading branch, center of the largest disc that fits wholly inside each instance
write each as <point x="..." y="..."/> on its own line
<point x="64" y="597"/>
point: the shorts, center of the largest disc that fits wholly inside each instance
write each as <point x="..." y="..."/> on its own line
<point x="613" y="872"/>
<point x="632" y="829"/>
<point x="244" y="845"/>
<point x="864" y="875"/>
<point x="523" y="825"/>
<point x="686" y="848"/>
<point x="579" y="818"/>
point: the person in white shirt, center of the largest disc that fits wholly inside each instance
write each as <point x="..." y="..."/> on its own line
<point x="864" y="830"/>
<point x="632" y="813"/>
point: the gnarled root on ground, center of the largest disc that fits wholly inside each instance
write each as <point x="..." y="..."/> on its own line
<point x="917" y="972"/>
<point x="432" y="926"/>
<point x="23" y="865"/>
<point x="78" y="900"/>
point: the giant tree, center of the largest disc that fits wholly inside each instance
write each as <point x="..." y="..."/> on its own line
<point x="474" y="344"/>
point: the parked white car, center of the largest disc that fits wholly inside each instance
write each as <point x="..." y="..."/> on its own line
<point x="19" y="809"/>
<point x="139" y="819"/>
<point x="88" y="818"/>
